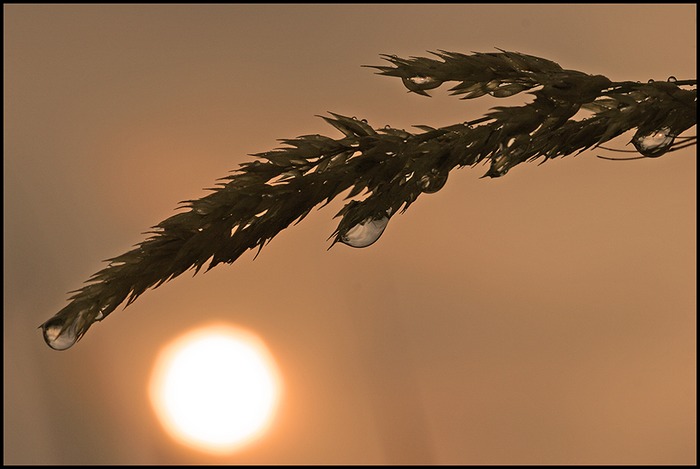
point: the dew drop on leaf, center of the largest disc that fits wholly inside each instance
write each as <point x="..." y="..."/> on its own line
<point x="651" y="80"/>
<point x="433" y="181"/>
<point x="653" y="144"/>
<point x="420" y="84"/>
<point x="57" y="335"/>
<point x="672" y="79"/>
<point x="364" y="233"/>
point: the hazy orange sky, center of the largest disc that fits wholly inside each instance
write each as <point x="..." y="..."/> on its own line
<point x="546" y="317"/>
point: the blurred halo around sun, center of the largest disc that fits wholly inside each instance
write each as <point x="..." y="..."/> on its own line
<point x="215" y="388"/>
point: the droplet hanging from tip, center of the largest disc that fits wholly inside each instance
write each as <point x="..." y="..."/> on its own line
<point x="57" y="335"/>
<point x="418" y="84"/>
<point x="655" y="143"/>
<point x="364" y="233"/>
<point x="433" y="181"/>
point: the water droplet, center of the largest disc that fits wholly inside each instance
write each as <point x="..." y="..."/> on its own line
<point x="387" y="126"/>
<point x="672" y="79"/>
<point x="653" y="144"/>
<point x="364" y="121"/>
<point x="433" y="181"/>
<point x="58" y="335"/>
<point x="651" y="80"/>
<point x="365" y="233"/>
<point x="419" y="84"/>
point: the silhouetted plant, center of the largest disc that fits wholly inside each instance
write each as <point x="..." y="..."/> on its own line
<point x="387" y="169"/>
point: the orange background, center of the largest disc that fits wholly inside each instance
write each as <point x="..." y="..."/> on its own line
<point x="545" y="317"/>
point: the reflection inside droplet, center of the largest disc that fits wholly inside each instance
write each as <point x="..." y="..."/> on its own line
<point x="364" y="233"/>
<point x="655" y="143"/>
<point x="57" y="335"/>
<point x="423" y="80"/>
<point x="433" y="181"/>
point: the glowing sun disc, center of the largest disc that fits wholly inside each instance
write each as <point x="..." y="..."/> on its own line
<point x="215" y="388"/>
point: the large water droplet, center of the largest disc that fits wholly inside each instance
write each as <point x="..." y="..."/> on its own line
<point x="672" y="79"/>
<point x="58" y="335"/>
<point x="433" y="181"/>
<point x="420" y="84"/>
<point x="365" y="233"/>
<point x="653" y="144"/>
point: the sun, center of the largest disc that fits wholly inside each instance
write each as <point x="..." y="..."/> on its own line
<point x="215" y="388"/>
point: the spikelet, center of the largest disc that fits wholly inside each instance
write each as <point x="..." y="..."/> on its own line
<point x="386" y="169"/>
